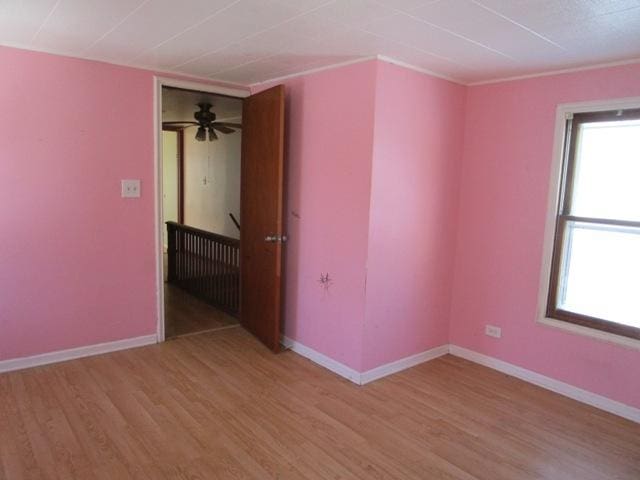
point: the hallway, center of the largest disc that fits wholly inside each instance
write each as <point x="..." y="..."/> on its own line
<point x="186" y="314"/>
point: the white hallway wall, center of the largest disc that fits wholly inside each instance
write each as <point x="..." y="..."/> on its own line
<point x="212" y="183"/>
<point x="169" y="179"/>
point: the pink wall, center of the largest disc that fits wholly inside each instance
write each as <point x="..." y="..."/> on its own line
<point x="391" y="271"/>
<point x="373" y="180"/>
<point x="416" y="160"/>
<point x="329" y="148"/>
<point x="77" y="262"/>
<point x="505" y="178"/>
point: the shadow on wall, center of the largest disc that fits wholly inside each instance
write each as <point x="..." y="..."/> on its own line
<point x="294" y="126"/>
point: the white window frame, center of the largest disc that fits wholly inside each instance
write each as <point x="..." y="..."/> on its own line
<point x="563" y="113"/>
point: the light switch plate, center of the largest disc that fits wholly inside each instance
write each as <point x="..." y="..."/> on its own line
<point x="130" y="188"/>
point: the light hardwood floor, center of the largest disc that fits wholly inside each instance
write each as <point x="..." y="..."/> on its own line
<point x="185" y="314"/>
<point x="220" y="406"/>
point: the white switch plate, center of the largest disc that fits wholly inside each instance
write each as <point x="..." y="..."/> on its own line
<point x="493" y="331"/>
<point x="130" y="188"/>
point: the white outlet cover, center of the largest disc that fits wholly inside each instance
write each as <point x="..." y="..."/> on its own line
<point x="493" y="331"/>
<point x="130" y="188"/>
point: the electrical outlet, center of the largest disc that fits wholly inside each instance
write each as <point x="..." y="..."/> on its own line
<point x="130" y="188"/>
<point x="493" y="331"/>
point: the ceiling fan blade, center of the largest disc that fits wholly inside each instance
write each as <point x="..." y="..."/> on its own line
<point x="230" y="125"/>
<point x="179" y="123"/>
<point x="222" y="128"/>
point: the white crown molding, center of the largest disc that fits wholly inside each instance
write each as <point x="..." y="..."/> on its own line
<point x="408" y="66"/>
<point x="585" y="68"/>
<point x="147" y="68"/>
<point x="73" y="353"/>
<point x="548" y="383"/>
<point x="381" y="58"/>
<point x="384" y="58"/>
<point x="310" y="71"/>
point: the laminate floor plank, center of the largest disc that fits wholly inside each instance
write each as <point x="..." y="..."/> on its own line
<point x="221" y="406"/>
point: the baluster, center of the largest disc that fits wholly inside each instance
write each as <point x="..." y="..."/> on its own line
<point x="203" y="266"/>
<point x="186" y="258"/>
<point x="229" y="276"/>
<point x="217" y="257"/>
<point x="236" y="280"/>
<point x="199" y="264"/>
<point x="222" y="273"/>
<point x="190" y="257"/>
<point x="205" y="275"/>
<point x="194" y="261"/>
<point x="210" y="281"/>
<point x="218" y="273"/>
<point x="226" y="277"/>
<point x="215" y="271"/>
<point x="179" y="255"/>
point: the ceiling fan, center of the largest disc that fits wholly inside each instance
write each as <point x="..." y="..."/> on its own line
<point x="206" y="122"/>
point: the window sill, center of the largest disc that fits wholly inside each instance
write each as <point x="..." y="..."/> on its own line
<point x="591" y="332"/>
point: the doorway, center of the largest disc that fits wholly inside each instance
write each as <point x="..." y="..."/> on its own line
<point x="201" y="161"/>
<point x="224" y="253"/>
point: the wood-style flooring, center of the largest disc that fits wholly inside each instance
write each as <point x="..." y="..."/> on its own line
<point x="220" y="406"/>
<point x="185" y="314"/>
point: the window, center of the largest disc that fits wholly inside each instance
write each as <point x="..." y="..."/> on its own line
<point x="595" y="269"/>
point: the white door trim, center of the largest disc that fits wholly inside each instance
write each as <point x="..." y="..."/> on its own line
<point x="160" y="82"/>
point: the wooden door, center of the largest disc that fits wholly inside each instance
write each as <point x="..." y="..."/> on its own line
<point x="261" y="215"/>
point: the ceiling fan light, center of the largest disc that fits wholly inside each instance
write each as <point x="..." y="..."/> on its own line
<point x="201" y="134"/>
<point x="212" y="135"/>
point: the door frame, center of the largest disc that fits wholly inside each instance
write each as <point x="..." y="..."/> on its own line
<point x="160" y="82"/>
<point x="180" y="168"/>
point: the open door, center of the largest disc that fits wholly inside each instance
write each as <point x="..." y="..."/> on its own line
<point x="261" y="215"/>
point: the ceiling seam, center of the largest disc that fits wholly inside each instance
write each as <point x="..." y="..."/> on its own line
<point x="44" y="22"/>
<point x="302" y="14"/>
<point x="450" y="32"/>
<point x="418" y="49"/>
<point x="112" y="29"/>
<point x="549" y="73"/>
<point x="518" y="24"/>
<point x="195" y="25"/>
<point x="360" y="29"/>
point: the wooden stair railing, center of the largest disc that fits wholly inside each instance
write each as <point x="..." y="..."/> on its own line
<point x="206" y="265"/>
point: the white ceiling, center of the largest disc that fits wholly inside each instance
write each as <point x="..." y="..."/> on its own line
<point x="249" y="41"/>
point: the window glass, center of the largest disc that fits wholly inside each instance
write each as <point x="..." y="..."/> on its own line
<point x="601" y="272"/>
<point x="607" y="171"/>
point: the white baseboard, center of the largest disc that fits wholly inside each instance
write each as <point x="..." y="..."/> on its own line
<point x="584" y="396"/>
<point x="361" y="378"/>
<point x="402" y="364"/>
<point x="322" y="360"/>
<point x="72" y="353"/>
